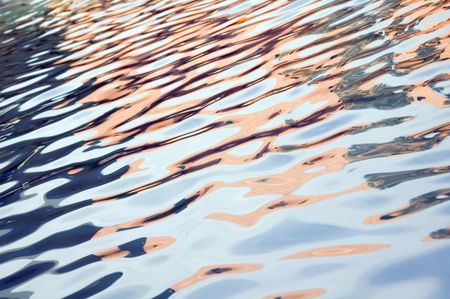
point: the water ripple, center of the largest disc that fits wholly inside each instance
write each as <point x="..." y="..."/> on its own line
<point x="224" y="149"/>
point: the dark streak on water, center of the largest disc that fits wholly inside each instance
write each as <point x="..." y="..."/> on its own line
<point x="224" y="149"/>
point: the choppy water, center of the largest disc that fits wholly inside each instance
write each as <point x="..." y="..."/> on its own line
<point x="225" y="149"/>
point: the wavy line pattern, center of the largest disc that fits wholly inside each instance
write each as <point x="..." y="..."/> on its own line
<point x="224" y="149"/>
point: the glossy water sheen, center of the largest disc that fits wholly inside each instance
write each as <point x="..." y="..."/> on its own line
<point x="211" y="149"/>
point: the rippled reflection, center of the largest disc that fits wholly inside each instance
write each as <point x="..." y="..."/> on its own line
<point x="215" y="149"/>
<point x="304" y="294"/>
<point x="338" y="250"/>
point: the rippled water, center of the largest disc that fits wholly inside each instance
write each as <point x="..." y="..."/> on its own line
<point x="225" y="149"/>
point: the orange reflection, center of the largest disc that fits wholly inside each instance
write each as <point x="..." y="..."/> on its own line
<point x="288" y="201"/>
<point x="338" y="250"/>
<point x="286" y="183"/>
<point x="75" y="170"/>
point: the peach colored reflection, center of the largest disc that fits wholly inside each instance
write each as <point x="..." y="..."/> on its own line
<point x="338" y="250"/>
<point x="303" y="294"/>
<point x="286" y="183"/>
<point x="151" y="245"/>
<point x="215" y="271"/>
<point x="288" y="201"/>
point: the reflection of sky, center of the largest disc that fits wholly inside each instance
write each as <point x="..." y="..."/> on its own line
<point x="117" y="113"/>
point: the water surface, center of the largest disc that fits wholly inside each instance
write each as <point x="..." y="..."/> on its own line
<point x="224" y="149"/>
